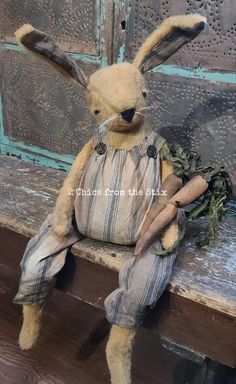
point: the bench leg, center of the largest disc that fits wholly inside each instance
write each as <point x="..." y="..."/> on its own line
<point x="30" y="327"/>
<point x="210" y="372"/>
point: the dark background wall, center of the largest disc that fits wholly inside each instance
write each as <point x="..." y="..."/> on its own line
<point x="45" y="120"/>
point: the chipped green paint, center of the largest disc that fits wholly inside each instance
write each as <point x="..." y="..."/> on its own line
<point x="1" y="119"/>
<point x="67" y="158"/>
<point x="104" y="62"/>
<point x="76" y="55"/>
<point x="11" y="47"/>
<point x="36" y="158"/>
<point x="85" y="57"/>
<point x="121" y="54"/>
<point x="35" y="154"/>
<point x="123" y="10"/>
<point x="197" y="73"/>
<point x="200" y="73"/>
<point x="104" y="6"/>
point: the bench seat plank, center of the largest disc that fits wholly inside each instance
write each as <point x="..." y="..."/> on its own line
<point x="28" y="193"/>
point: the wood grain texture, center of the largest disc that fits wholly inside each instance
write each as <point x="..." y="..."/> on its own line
<point x="71" y="347"/>
<point x="181" y="321"/>
<point x="205" y="276"/>
<point x="195" y="326"/>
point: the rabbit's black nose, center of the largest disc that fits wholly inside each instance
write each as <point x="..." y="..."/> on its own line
<point x="128" y="114"/>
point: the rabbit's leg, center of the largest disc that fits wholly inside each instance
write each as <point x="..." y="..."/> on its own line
<point x="142" y="281"/>
<point x="30" y="327"/>
<point x="119" y="353"/>
<point x="44" y="257"/>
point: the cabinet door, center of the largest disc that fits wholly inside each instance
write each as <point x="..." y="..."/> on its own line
<point x="193" y="94"/>
<point x="44" y="118"/>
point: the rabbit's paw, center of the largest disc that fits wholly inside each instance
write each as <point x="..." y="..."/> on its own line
<point x="61" y="223"/>
<point x="170" y="236"/>
<point x="31" y="326"/>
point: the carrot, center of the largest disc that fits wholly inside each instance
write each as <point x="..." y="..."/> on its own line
<point x="158" y="224"/>
<point x="171" y="185"/>
<point x="190" y="192"/>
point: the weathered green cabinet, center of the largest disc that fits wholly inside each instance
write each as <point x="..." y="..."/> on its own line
<point x="44" y="119"/>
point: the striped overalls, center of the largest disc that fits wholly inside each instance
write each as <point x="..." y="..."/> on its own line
<point x="115" y="193"/>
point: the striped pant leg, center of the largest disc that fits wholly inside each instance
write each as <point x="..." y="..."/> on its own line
<point x="142" y="282"/>
<point x="43" y="258"/>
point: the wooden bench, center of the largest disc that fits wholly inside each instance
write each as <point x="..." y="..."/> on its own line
<point x="197" y="313"/>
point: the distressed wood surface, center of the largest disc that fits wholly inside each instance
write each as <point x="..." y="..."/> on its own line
<point x="28" y="193"/>
<point x="195" y="326"/>
<point x="71" y="347"/>
<point x="182" y="321"/>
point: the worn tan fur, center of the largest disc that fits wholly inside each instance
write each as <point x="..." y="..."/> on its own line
<point x="27" y="29"/>
<point x="110" y="92"/>
<point x="30" y="327"/>
<point x="114" y="89"/>
<point x="119" y="353"/>
<point x="64" y="205"/>
<point x="21" y="32"/>
<point x="182" y="21"/>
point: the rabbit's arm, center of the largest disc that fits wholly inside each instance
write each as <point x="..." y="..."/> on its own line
<point x="186" y="195"/>
<point x="62" y="216"/>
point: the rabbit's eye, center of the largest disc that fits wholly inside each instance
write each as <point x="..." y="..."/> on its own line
<point x="144" y="93"/>
<point x="96" y="112"/>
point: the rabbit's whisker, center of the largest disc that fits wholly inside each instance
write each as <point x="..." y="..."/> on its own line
<point x="113" y="122"/>
<point x="147" y="107"/>
<point x="106" y="121"/>
<point x="170" y="113"/>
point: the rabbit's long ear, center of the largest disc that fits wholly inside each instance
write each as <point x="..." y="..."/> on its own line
<point x="171" y="35"/>
<point x="43" y="46"/>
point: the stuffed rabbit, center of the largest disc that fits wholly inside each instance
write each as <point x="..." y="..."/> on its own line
<point x="123" y="156"/>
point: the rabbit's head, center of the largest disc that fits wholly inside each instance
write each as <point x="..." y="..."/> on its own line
<point x="117" y="94"/>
